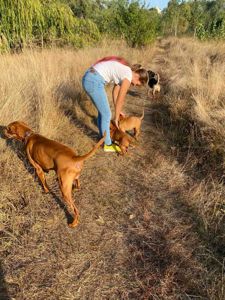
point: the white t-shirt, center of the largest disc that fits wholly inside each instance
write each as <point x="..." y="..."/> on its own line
<point x="113" y="71"/>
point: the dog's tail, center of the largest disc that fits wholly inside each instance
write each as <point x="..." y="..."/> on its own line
<point x="142" y="116"/>
<point x="94" y="149"/>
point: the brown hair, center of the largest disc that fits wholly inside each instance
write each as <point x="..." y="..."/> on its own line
<point x="143" y="74"/>
<point x="114" y="58"/>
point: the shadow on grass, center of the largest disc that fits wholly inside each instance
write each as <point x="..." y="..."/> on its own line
<point x="185" y="138"/>
<point x="62" y="205"/>
<point x="165" y="257"/>
<point x="4" y="295"/>
<point x="69" y="99"/>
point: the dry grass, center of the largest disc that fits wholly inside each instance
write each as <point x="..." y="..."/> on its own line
<point x="152" y="223"/>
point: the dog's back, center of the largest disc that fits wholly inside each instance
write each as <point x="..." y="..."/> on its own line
<point x="131" y="122"/>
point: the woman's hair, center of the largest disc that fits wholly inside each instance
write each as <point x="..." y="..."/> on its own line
<point x="143" y="74"/>
<point x="119" y="59"/>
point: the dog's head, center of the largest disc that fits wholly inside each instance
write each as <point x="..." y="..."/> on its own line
<point x="17" y="130"/>
<point x="124" y="144"/>
<point x="153" y="78"/>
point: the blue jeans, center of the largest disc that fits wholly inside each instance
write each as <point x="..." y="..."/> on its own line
<point x="94" y="85"/>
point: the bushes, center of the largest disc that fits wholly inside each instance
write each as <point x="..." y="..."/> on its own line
<point x="136" y="24"/>
<point x="139" y="25"/>
<point x="73" y="22"/>
<point x="79" y="23"/>
<point x="42" y="22"/>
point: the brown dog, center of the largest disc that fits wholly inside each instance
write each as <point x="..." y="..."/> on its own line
<point x="131" y="123"/>
<point x="123" y="139"/>
<point x="45" y="154"/>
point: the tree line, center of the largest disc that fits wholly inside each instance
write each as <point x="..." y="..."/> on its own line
<point x="29" y="23"/>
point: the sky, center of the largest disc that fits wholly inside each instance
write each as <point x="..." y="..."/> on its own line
<point x="161" y="3"/>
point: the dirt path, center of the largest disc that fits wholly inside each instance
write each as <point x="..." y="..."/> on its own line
<point x="136" y="238"/>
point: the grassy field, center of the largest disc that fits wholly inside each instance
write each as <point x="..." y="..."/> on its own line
<point x="152" y="222"/>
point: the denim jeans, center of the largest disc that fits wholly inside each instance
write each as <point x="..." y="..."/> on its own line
<point x="94" y="85"/>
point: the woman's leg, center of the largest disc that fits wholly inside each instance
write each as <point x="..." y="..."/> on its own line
<point x="104" y="118"/>
<point x="94" y="87"/>
<point x="99" y="124"/>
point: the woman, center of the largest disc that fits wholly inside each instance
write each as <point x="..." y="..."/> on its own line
<point x="117" y="70"/>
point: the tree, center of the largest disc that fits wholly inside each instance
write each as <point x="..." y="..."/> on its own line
<point x="131" y="21"/>
<point x="25" y="22"/>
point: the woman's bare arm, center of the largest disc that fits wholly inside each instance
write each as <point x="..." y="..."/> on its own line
<point x="122" y="91"/>
<point x="115" y="93"/>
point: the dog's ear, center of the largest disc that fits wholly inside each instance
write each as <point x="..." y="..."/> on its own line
<point x="121" y="117"/>
<point x="156" y="77"/>
<point x="151" y="74"/>
<point x="112" y="126"/>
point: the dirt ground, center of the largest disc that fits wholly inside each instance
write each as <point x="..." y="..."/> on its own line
<point x="138" y="237"/>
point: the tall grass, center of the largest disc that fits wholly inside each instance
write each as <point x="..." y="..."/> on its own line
<point x="161" y="232"/>
<point x="193" y="119"/>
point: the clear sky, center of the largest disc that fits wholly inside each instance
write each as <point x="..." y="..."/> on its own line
<point x="161" y="3"/>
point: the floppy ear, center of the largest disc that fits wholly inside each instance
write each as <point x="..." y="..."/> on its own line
<point x="156" y="77"/>
<point x="151" y="74"/>
<point x="112" y="125"/>
<point x="121" y="117"/>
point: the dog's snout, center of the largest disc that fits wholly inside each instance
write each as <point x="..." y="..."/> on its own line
<point x="6" y="129"/>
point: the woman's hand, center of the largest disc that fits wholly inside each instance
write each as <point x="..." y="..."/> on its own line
<point x="121" y="97"/>
<point x="116" y="122"/>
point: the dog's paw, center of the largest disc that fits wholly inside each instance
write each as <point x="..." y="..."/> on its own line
<point x="73" y="224"/>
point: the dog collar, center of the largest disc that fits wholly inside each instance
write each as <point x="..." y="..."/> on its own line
<point x="27" y="135"/>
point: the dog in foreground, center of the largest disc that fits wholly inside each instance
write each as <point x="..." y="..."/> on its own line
<point x="122" y="138"/>
<point x="131" y="123"/>
<point x="45" y="154"/>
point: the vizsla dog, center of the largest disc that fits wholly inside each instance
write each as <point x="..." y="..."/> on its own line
<point x="153" y="82"/>
<point x="123" y="139"/>
<point x="45" y="154"/>
<point x="131" y="123"/>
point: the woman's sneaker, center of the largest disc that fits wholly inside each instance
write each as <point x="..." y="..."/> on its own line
<point x="112" y="148"/>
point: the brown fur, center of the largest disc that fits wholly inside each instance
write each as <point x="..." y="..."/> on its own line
<point x="123" y="139"/>
<point x="45" y="154"/>
<point x="131" y="123"/>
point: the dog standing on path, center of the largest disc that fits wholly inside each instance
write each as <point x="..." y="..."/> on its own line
<point x="131" y="123"/>
<point x="153" y="82"/>
<point x="45" y="154"/>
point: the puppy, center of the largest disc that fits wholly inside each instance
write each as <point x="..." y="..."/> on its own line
<point x="131" y="123"/>
<point x="45" y="154"/>
<point x="123" y="139"/>
<point x="153" y="83"/>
